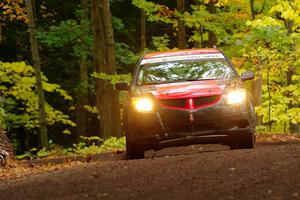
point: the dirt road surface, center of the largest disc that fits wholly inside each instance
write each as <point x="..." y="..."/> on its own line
<point x="270" y="171"/>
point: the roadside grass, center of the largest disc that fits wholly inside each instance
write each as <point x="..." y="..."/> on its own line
<point x="87" y="146"/>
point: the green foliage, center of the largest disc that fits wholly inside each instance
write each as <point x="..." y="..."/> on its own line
<point x="2" y="119"/>
<point x="275" y="57"/>
<point x="78" y="34"/>
<point x="87" y="146"/>
<point x="226" y="22"/>
<point x="124" y="55"/>
<point x="161" y="43"/>
<point x="69" y="32"/>
<point x="109" y="145"/>
<point x="18" y="88"/>
<point x="91" y="109"/>
<point x="112" y="78"/>
<point x="156" y="12"/>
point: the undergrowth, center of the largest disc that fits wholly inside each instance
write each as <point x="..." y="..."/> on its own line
<point x="87" y="146"/>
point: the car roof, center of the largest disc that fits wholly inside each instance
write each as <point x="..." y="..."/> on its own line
<point x="181" y="53"/>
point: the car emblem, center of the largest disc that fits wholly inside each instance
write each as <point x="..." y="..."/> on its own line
<point x="191" y="117"/>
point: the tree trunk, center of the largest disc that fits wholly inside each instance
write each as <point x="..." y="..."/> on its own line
<point x="253" y="12"/>
<point x="212" y="37"/>
<point x="1" y="32"/>
<point x="256" y="90"/>
<point x="104" y="58"/>
<point x="256" y="85"/>
<point x="37" y="69"/>
<point x="181" y="24"/>
<point x="81" y="112"/>
<point x="199" y="44"/>
<point x="6" y="149"/>
<point x="143" y="29"/>
<point x="252" y="9"/>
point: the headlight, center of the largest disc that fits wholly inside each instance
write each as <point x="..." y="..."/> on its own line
<point x="142" y="104"/>
<point x="236" y="96"/>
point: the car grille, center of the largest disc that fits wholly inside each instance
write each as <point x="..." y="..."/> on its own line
<point x="206" y="100"/>
<point x="182" y="103"/>
<point x="173" y="102"/>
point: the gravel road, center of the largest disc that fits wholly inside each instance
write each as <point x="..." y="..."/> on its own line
<point x="270" y="171"/>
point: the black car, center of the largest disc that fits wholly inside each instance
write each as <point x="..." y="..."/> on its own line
<point x="187" y="97"/>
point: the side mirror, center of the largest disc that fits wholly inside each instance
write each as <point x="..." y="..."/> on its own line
<point x="247" y="76"/>
<point x="122" y="86"/>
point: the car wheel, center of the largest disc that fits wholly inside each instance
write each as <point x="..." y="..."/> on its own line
<point x="242" y="141"/>
<point x="233" y="145"/>
<point x="247" y="141"/>
<point x="133" y="151"/>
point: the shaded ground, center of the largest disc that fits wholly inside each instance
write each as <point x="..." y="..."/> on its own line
<point x="270" y="171"/>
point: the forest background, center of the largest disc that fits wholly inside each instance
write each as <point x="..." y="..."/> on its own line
<point x="85" y="47"/>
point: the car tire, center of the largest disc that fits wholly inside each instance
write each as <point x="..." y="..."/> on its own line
<point x="133" y="151"/>
<point x="242" y="141"/>
<point x="247" y="141"/>
<point x="233" y="145"/>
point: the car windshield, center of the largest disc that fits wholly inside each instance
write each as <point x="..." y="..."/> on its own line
<point x="191" y="70"/>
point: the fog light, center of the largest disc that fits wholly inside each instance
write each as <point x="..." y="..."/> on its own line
<point x="236" y="96"/>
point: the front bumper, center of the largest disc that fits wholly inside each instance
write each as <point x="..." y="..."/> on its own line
<point x="212" y="124"/>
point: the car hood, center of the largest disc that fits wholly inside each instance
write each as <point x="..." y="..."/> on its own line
<point x="189" y="89"/>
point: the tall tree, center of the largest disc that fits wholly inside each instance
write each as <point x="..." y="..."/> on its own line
<point x="212" y="37"/>
<point x="104" y="58"/>
<point x="289" y="25"/>
<point x="256" y="85"/>
<point x="181" y="25"/>
<point x="143" y="29"/>
<point x="252" y="9"/>
<point x="1" y="28"/>
<point x="81" y="112"/>
<point x="37" y="67"/>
